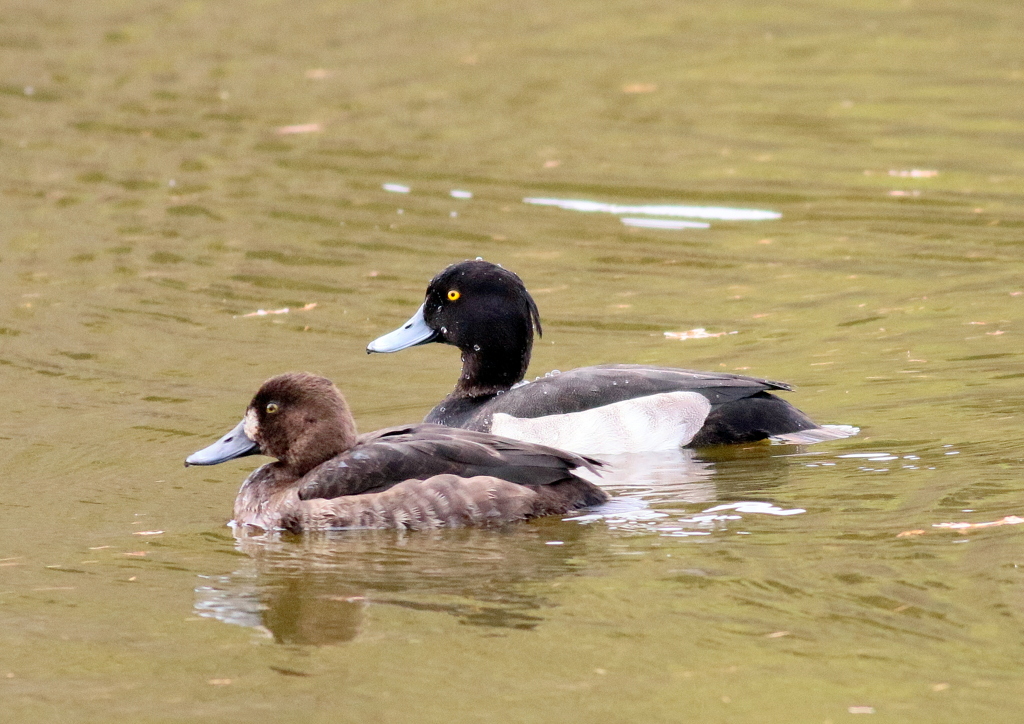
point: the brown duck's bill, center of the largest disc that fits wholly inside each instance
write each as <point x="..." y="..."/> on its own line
<point x="410" y="334"/>
<point x="235" y="444"/>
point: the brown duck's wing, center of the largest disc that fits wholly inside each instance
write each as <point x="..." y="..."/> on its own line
<point x="416" y="452"/>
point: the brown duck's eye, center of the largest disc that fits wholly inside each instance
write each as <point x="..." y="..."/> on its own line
<point x="453" y="294"/>
<point x="272" y="408"/>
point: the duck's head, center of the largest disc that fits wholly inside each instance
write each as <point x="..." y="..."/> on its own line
<point x="469" y="305"/>
<point x="298" y="418"/>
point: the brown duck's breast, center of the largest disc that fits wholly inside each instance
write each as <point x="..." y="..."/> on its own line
<point x="264" y="498"/>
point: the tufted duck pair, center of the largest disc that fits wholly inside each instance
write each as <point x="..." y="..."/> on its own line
<point x="454" y="469"/>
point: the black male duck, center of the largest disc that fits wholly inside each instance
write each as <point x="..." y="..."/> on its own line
<point x="414" y="476"/>
<point x="486" y="312"/>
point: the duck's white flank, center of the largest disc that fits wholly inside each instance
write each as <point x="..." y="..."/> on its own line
<point x="643" y="424"/>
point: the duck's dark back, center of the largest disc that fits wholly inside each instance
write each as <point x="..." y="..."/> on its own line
<point x="387" y="457"/>
<point x="590" y="387"/>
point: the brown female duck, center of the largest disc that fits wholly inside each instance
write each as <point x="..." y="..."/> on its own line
<point x="413" y="476"/>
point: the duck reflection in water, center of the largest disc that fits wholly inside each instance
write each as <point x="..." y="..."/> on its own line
<point x="316" y="589"/>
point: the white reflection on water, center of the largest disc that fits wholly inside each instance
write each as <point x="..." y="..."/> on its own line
<point x="651" y="487"/>
<point x="753" y="506"/>
<point x="634" y="514"/>
<point x="720" y="213"/>
<point x="669" y="476"/>
<point x="870" y="456"/>
<point x="233" y="599"/>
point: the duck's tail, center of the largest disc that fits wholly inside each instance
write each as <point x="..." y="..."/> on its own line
<point x="815" y="434"/>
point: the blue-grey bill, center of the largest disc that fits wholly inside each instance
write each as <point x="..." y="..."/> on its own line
<point x="410" y="334"/>
<point x="235" y="444"/>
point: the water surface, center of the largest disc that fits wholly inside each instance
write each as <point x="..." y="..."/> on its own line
<point x="169" y="168"/>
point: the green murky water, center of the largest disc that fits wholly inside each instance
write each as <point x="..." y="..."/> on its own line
<point x="149" y="202"/>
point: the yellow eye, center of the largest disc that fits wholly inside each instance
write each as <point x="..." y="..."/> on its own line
<point x="453" y="295"/>
<point x="272" y="408"/>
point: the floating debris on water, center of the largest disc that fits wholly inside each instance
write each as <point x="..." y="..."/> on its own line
<point x="1008" y="520"/>
<point x="299" y="128"/>
<point x="665" y="223"/>
<point x="457" y="194"/>
<point x="964" y="526"/>
<point x="396" y="188"/>
<point x="913" y="173"/>
<point x="698" y="333"/>
<point x="286" y="310"/>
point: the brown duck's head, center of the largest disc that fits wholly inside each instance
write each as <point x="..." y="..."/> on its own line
<point x="299" y="418"/>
